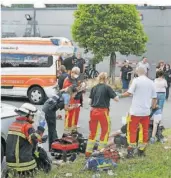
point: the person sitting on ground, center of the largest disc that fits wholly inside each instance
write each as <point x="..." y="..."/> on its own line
<point x="118" y="138"/>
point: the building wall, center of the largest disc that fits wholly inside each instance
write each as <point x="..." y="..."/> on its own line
<point x="58" y="22"/>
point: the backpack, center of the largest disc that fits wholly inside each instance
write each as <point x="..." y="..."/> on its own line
<point x="100" y="161"/>
<point x="54" y="103"/>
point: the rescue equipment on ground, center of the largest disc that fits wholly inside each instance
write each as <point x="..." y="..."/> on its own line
<point x="103" y="160"/>
<point x="68" y="145"/>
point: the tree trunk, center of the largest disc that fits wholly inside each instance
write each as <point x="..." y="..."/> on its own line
<point x="112" y="66"/>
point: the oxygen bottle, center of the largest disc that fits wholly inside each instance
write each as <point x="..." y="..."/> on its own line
<point x="41" y="121"/>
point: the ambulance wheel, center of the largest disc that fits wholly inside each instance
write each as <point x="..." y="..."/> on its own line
<point x="36" y="95"/>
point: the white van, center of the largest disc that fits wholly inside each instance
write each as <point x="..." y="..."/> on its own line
<point x="29" y="66"/>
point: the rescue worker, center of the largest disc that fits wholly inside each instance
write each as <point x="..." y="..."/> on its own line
<point x="22" y="139"/>
<point x="100" y="96"/>
<point x="143" y="91"/>
<point x="71" y="117"/>
<point x="58" y="101"/>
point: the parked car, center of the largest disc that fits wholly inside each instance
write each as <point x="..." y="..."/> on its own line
<point x="8" y="116"/>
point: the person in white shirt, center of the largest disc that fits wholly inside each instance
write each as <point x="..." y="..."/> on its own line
<point x="143" y="91"/>
<point x="161" y="85"/>
<point x="144" y="64"/>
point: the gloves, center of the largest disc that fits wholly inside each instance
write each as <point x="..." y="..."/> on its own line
<point x="40" y="130"/>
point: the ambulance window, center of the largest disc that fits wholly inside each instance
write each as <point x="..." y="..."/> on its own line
<point x="26" y="60"/>
<point x="56" y="42"/>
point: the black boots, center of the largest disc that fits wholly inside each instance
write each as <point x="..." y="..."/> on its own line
<point x="141" y="153"/>
<point x="130" y="153"/>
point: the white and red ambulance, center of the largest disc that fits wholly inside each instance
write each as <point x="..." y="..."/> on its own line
<point x="29" y="65"/>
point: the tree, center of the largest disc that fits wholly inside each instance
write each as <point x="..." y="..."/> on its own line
<point x="107" y="29"/>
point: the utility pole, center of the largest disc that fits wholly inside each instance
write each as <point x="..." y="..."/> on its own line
<point x="34" y="22"/>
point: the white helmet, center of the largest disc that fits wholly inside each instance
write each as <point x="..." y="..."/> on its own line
<point x="26" y="109"/>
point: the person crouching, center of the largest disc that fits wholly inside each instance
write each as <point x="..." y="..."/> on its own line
<point x="21" y="141"/>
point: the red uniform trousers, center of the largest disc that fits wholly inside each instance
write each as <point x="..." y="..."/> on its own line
<point x="77" y="113"/>
<point x="135" y="124"/>
<point x="99" y="117"/>
<point x="70" y="117"/>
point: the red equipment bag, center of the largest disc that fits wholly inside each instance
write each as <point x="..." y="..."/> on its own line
<point x="65" y="144"/>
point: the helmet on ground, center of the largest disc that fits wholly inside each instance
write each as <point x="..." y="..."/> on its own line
<point x="26" y="109"/>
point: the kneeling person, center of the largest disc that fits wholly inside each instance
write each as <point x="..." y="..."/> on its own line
<point x="22" y="139"/>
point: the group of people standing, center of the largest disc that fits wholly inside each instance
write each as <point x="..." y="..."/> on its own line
<point x="162" y="80"/>
<point x="127" y="71"/>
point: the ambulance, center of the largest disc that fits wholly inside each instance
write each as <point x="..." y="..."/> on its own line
<point x="29" y="66"/>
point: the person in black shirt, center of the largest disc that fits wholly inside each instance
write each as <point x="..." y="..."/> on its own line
<point x="100" y="96"/>
<point x="62" y="76"/>
<point x="167" y="74"/>
<point x="125" y="75"/>
<point x="69" y="63"/>
<point x="81" y="64"/>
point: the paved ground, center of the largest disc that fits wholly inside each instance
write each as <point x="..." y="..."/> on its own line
<point x="117" y="111"/>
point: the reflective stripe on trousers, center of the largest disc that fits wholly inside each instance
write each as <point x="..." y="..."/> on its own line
<point x="133" y="124"/>
<point x="99" y="117"/>
<point x="69" y="120"/>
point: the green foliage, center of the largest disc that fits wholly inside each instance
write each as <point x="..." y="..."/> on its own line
<point x="103" y="29"/>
